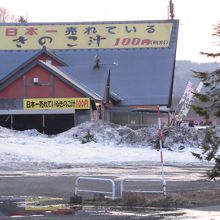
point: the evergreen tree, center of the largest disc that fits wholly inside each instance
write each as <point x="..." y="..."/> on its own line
<point x="209" y="106"/>
<point x="88" y="137"/>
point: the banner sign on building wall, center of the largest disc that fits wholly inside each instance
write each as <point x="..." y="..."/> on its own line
<point x="86" y="35"/>
<point x="56" y="103"/>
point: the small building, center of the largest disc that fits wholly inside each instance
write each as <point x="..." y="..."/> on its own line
<point x="54" y="76"/>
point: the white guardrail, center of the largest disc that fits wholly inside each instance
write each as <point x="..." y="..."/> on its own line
<point x="112" y="193"/>
<point x="132" y="179"/>
<point x="113" y="188"/>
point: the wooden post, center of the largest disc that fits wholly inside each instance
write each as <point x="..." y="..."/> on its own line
<point x="43" y="121"/>
<point x="12" y="121"/>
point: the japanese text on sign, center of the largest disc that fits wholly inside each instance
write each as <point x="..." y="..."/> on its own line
<point x="56" y="103"/>
<point x="86" y="36"/>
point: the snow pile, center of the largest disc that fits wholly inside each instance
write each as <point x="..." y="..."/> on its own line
<point x="175" y="139"/>
<point x="179" y="138"/>
<point x="108" y="133"/>
<point x="110" y="143"/>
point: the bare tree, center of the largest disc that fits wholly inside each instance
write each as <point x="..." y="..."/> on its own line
<point x="6" y="16"/>
<point x="21" y="19"/>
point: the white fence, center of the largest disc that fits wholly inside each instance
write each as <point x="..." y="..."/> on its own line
<point x="112" y="182"/>
<point x="132" y="179"/>
<point x="77" y="188"/>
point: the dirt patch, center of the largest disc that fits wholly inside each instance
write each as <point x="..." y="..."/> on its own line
<point x="172" y="200"/>
<point x="185" y="199"/>
<point x="203" y="198"/>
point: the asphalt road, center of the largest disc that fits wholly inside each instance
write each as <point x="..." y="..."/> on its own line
<point x="60" y="183"/>
<point x="63" y="186"/>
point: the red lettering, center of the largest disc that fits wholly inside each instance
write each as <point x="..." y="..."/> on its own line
<point x="11" y="32"/>
<point x="146" y="42"/>
<point x="117" y="41"/>
<point x="135" y="41"/>
<point x="86" y="103"/>
<point x="31" y="31"/>
<point x="132" y="41"/>
<point x="126" y="41"/>
<point x="82" y="103"/>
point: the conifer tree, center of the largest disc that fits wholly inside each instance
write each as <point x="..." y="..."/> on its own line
<point x="209" y="106"/>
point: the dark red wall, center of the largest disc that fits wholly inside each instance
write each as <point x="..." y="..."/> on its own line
<point x="24" y="87"/>
<point x="12" y="91"/>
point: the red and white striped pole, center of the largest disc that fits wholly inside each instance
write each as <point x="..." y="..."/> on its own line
<point x="160" y="134"/>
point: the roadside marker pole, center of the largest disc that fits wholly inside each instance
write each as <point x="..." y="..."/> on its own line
<point x="160" y="134"/>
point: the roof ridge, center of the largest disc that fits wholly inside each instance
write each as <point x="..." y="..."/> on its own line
<point x="74" y="81"/>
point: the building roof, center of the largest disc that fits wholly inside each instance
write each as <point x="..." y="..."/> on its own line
<point x="6" y="75"/>
<point x="55" y="71"/>
<point x="139" y="76"/>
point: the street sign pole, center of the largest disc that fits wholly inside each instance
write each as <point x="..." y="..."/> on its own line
<point x="160" y="134"/>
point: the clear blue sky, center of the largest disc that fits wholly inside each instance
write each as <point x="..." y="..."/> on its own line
<point x="197" y="17"/>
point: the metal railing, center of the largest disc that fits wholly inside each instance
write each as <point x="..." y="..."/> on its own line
<point x="77" y="187"/>
<point x="130" y="179"/>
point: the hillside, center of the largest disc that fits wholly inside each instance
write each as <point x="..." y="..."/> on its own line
<point x="183" y="73"/>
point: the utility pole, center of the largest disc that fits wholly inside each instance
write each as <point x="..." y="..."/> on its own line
<point x="171" y="10"/>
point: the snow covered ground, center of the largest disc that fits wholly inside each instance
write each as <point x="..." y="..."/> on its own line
<point x="113" y="144"/>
